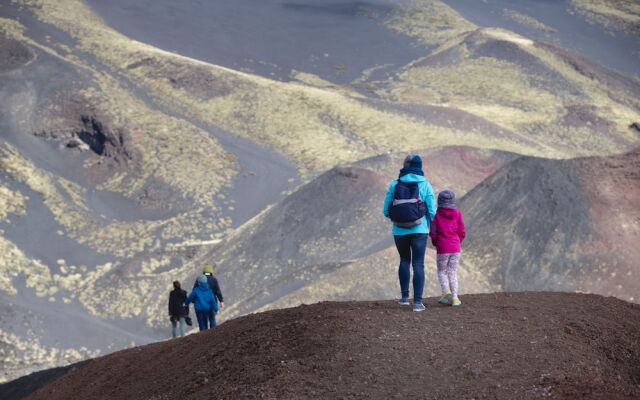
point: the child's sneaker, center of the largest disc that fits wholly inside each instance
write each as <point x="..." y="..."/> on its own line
<point x="417" y="307"/>
<point x="455" y="302"/>
<point x="404" y="301"/>
<point x="445" y="298"/>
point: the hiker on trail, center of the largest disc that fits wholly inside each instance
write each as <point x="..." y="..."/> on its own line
<point x="447" y="234"/>
<point x="205" y="304"/>
<point x="207" y="270"/>
<point x="410" y="204"/>
<point x="177" y="311"/>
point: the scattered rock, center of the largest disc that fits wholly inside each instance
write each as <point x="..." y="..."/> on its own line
<point x="75" y="143"/>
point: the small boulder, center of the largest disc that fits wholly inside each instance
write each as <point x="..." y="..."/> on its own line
<point x="76" y="143"/>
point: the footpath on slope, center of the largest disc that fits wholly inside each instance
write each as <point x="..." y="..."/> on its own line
<point x="496" y="346"/>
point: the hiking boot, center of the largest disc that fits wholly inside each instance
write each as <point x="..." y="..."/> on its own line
<point x="455" y="302"/>
<point x="445" y="298"/>
<point x="404" y="301"/>
<point x="417" y="307"/>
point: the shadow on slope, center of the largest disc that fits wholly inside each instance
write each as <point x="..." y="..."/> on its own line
<point x="334" y="218"/>
<point x="566" y="225"/>
<point x="525" y="345"/>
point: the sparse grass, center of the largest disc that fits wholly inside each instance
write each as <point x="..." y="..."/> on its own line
<point x="13" y="262"/>
<point x="315" y="127"/>
<point x="23" y="355"/>
<point x="494" y="89"/>
<point x="431" y="22"/>
<point x="616" y="15"/>
<point x="11" y="202"/>
<point x="168" y="146"/>
<point x="504" y="92"/>
<point x="122" y="239"/>
<point x="620" y="111"/>
<point x="525" y="19"/>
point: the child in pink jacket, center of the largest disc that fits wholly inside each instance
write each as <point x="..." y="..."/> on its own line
<point x="447" y="233"/>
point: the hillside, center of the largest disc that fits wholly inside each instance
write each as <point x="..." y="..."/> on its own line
<point x="554" y="99"/>
<point x="558" y="225"/>
<point x="332" y="229"/>
<point x="140" y="140"/>
<point x="500" y="346"/>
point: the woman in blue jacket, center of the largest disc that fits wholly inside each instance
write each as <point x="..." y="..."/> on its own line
<point x="411" y="236"/>
<point x="205" y="304"/>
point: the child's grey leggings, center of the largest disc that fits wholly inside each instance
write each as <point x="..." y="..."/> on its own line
<point x="448" y="272"/>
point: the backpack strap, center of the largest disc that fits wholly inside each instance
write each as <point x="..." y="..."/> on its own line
<point x="408" y="224"/>
<point x="405" y="201"/>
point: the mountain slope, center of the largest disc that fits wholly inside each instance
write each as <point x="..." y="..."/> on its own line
<point x="558" y="225"/>
<point x="333" y="227"/>
<point x="126" y="163"/>
<point x="548" y="95"/>
<point x="379" y="350"/>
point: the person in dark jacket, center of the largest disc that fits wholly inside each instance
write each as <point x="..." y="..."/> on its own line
<point x="177" y="310"/>
<point x="205" y="304"/>
<point x="213" y="284"/>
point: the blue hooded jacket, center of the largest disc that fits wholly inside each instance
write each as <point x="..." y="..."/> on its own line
<point x="426" y="195"/>
<point x="202" y="298"/>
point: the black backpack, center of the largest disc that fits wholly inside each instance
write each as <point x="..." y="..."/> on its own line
<point x="406" y="209"/>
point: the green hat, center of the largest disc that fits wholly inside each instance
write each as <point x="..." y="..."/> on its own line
<point x="207" y="269"/>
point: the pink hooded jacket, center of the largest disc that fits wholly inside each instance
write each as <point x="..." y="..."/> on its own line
<point x="447" y="230"/>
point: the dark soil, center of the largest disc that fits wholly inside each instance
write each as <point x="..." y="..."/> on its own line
<point x="13" y="54"/>
<point x="22" y="387"/>
<point x="495" y="346"/>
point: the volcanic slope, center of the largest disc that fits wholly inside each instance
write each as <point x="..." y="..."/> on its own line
<point x="97" y="186"/>
<point x="568" y="225"/>
<point x="342" y="121"/>
<point x="524" y="345"/>
<point x="121" y="162"/>
<point x="544" y="93"/>
<point x="333" y="226"/>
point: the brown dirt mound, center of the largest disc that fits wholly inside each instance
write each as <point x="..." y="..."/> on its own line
<point x="498" y="346"/>
<point x="557" y="225"/>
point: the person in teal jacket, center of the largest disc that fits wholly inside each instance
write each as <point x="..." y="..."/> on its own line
<point x="205" y="304"/>
<point x="411" y="242"/>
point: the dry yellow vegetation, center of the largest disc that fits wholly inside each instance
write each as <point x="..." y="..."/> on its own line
<point x="314" y="126"/>
<point x="612" y="14"/>
<point x="122" y="239"/>
<point x="11" y="202"/>
<point x="432" y="22"/>
<point x="21" y="356"/>
<point x="13" y="263"/>
<point x="528" y="20"/>
<point x="168" y="145"/>
<point x="502" y="91"/>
